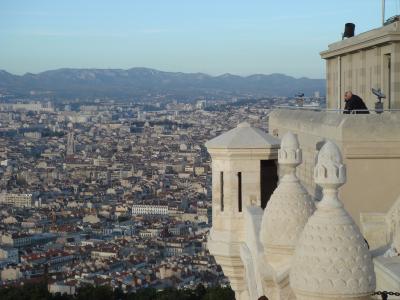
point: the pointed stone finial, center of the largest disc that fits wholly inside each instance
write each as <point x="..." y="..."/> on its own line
<point x="289" y="141"/>
<point x="330" y="173"/>
<point x="331" y="260"/>
<point x="330" y="170"/>
<point x="289" y="155"/>
<point x="290" y="205"/>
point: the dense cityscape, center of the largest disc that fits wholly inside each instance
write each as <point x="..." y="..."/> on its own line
<point x="199" y="150"/>
<point x="114" y="194"/>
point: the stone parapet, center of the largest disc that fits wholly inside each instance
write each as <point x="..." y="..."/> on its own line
<point x="370" y="145"/>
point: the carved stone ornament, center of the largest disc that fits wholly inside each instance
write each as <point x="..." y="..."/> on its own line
<point x="331" y="260"/>
<point x="290" y="205"/>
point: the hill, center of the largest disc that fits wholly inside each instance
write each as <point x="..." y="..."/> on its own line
<point x="141" y="82"/>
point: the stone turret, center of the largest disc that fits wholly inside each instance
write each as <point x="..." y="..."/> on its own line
<point x="332" y="259"/>
<point x="244" y="174"/>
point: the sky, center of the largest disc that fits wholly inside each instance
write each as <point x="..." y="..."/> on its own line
<point x="211" y="36"/>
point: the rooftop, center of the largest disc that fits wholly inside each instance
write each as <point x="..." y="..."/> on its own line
<point x="244" y="136"/>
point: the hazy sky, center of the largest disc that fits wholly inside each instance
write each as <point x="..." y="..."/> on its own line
<point x="211" y="36"/>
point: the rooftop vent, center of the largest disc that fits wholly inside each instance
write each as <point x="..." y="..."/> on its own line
<point x="348" y="30"/>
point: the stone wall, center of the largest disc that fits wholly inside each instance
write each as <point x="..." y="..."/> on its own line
<point x="370" y="145"/>
<point x="361" y="63"/>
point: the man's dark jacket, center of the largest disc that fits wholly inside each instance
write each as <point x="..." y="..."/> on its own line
<point x="354" y="105"/>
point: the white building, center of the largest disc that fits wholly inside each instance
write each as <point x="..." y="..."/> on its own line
<point x="104" y="254"/>
<point x="30" y="106"/>
<point x="16" y="239"/>
<point x="201" y="104"/>
<point x="92" y="219"/>
<point x="11" y="273"/>
<point x="142" y="209"/>
<point x="62" y="288"/>
<point x="9" y="254"/>
<point x="17" y="200"/>
<point x="33" y="135"/>
<point x="150" y="233"/>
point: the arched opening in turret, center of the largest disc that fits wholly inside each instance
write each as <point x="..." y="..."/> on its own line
<point x="268" y="180"/>
<point x="239" y="175"/>
<point x="221" y="182"/>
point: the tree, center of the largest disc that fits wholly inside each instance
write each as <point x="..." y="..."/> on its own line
<point x="143" y="294"/>
<point x="90" y="292"/>
<point x="219" y="293"/>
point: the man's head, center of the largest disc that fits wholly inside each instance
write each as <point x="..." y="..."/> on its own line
<point x="348" y="95"/>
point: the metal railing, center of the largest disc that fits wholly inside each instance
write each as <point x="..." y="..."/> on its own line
<point x="337" y="110"/>
<point x="385" y="294"/>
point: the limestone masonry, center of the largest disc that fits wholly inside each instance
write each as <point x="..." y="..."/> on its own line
<point x="311" y="211"/>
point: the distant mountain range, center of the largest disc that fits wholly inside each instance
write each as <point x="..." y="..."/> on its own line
<point x="144" y="82"/>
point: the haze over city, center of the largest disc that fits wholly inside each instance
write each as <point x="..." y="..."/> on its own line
<point x="214" y="37"/>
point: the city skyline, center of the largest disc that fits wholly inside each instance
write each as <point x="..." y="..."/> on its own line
<point x="213" y="38"/>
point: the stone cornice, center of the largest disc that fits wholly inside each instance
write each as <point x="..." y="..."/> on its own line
<point x="370" y="43"/>
<point x="373" y="38"/>
<point x="257" y="154"/>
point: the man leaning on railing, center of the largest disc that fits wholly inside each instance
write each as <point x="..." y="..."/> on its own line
<point x="354" y="104"/>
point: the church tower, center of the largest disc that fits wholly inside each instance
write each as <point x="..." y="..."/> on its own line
<point x="70" y="141"/>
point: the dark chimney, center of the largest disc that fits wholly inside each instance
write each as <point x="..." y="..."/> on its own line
<point x="348" y="30"/>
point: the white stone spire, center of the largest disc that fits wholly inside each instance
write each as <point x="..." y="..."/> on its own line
<point x="290" y="205"/>
<point x="332" y="260"/>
